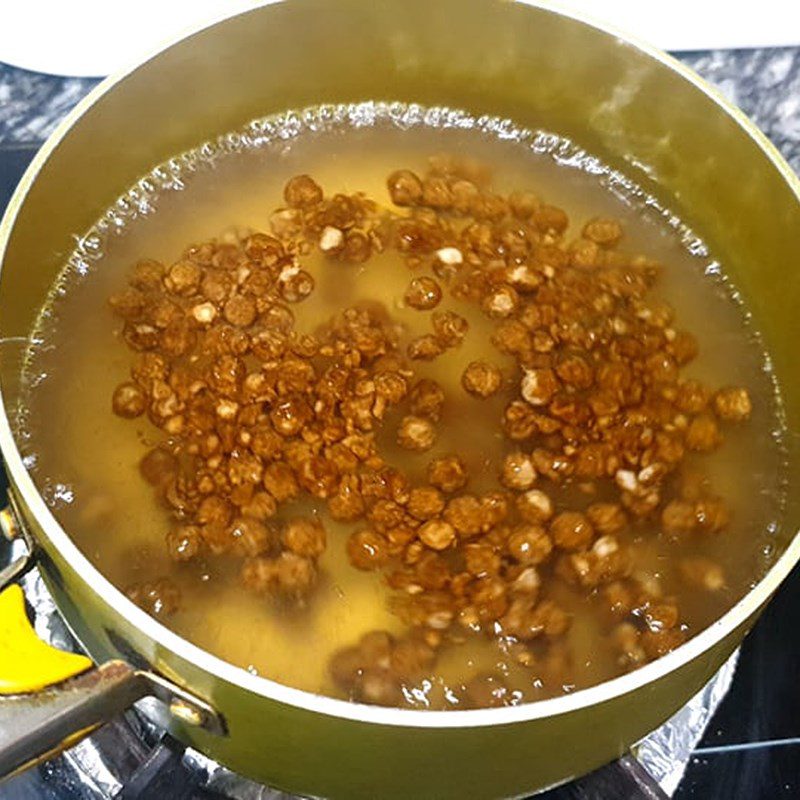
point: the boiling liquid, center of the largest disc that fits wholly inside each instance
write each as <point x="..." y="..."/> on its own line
<point x="85" y="459"/>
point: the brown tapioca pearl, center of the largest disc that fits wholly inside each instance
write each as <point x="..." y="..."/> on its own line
<point x="660" y="368"/>
<point x="128" y="401"/>
<point x="128" y="304"/>
<point x="526" y="621"/>
<point x="386" y="514"/>
<point x="711" y="514"/>
<point x="184" y="542"/>
<point x="618" y="599"/>
<point x="147" y="275"/>
<point x="251" y="537"/>
<point x="183" y="278"/>
<point x="603" y="404"/>
<point x="523" y="204"/>
<point x="524" y="580"/>
<point x="450" y="328"/>
<point x="481" y="560"/>
<point x="426" y="399"/>
<point x="399" y="538"/>
<point x="495" y="508"/>
<point x="148" y="367"/>
<point x="447" y="473"/>
<point x="702" y="573"/>
<point x="159" y="598"/>
<point x="605" y="232"/>
<point x="529" y="544"/>
<point x="488" y="206"/>
<point x="216" y="538"/>
<point x="290" y="415"/>
<point x="367" y="549"/>
<point x="357" y="247"/>
<point x="500" y="302"/>
<point x="288" y="575"/>
<point x="607" y="517"/>
<point x="571" y="530"/>
<point x="519" y="421"/>
<point x="487" y="690"/>
<point x="437" y="534"/>
<point x="465" y="514"/>
<point x="658" y="643"/>
<point x="538" y="386"/>
<point x="158" y="466"/>
<point x="534" y="506"/>
<point x="302" y="191"/>
<point x="550" y="219"/>
<point x="425" y="348"/>
<point x="678" y="517"/>
<point x="595" y="461"/>
<point x="684" y="347"/>
<point x="512" y="337"/>
<point x="575" y="370"/>
<point x="377" y="687"/>
<point x="416" y="433"/>
<point x="641" y="504"/>
<point x="305" y="537"/>
<point x="391" y="386"/>
<point x="412" y="554"/>
<point x="140" y="336"/>
<point x="347" y="504"/>
<point x="260" y="506"/>
<point x="487" y="602"/>
<point x="279" y="480"/>
<point x="447" y="263"/>
<point x="295" y="285"/>
<point x="345" y="666"/>
<point x="733" y="404"/>
<point x="240" y="310"/>
<point x="584" y="253"/>
<point x="405" y="188"/>
<point x="436" y="193"/>
<point x="661" y="617"/>
<point x="703" y="434"/>
<point x="318" y="476"/>
<point x="410" y="657"/>
<point x="481" y="379"/>
<point x="431" y="570"/>
<point x="553" y="466"/>
<point x="214" y="510"/>
<point x="517" y="471"/>
<point x="265" y="442"/>
<point x="522" y="278"/>
<point x="692" y="397"/>
<point x="627" y="639"/>
<point x="263" y="249"/>
<point x="425" y="502"/>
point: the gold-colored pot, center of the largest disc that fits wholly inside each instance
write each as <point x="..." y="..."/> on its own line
<point x="629" y="104"/>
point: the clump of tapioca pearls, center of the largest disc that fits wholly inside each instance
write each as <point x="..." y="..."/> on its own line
<point x="588" y="368"/>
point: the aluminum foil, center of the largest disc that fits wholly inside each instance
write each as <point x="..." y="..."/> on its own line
<point x="98" y="767"/>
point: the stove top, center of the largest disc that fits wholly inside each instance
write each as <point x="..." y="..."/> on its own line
<point x="750" y="749"/>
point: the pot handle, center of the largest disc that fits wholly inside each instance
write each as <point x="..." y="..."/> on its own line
<point x="51" y="699"/>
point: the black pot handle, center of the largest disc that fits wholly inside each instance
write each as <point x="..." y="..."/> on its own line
<point x="51" y="699"/>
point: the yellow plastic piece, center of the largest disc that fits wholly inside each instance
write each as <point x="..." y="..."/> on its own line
<point x="27" y="664"/>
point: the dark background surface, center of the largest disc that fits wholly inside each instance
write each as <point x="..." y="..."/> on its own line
<point x="752" y="746"/>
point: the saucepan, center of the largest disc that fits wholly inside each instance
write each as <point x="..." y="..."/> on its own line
<point x="634" y="107"/>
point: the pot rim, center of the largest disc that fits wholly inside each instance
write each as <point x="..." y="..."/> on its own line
<point x="737" y="615"/>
